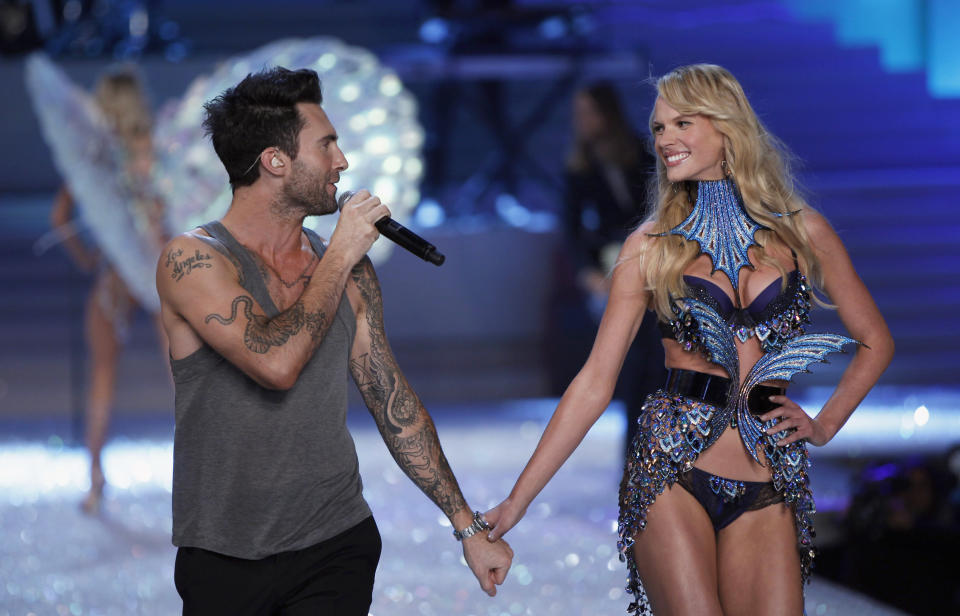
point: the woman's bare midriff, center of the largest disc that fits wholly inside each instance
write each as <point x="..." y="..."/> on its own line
<point x="727" y="457"/>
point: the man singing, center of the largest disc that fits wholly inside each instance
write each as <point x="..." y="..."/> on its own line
<point x="264" y="322"/>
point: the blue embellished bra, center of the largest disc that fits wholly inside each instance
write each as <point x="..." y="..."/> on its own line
<point x="723" y="228"/>
<point x="773" y="316"/>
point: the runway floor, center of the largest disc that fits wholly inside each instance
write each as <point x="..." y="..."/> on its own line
<point x="56" y="560"/>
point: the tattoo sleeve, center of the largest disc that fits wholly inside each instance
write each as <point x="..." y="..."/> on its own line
<point x="406" y="426"/>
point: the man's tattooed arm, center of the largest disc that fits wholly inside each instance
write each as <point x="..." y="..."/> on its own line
<point x="262" y="333"/>
<point x="204" y="286"/>
<point x="406" y="426"/>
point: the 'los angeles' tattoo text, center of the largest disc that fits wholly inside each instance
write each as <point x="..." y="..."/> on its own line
<point x="181" y="266"/>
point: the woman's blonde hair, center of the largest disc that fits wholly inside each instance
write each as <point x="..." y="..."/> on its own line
<point x="120" y="96"/>
<point x="755" y="159"/>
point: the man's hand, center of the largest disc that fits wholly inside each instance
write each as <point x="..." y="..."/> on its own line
<point x="355" y="231"/>
<point x="489" y="561"/>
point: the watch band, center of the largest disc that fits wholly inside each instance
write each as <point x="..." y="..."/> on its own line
<point x="475" y="527"/>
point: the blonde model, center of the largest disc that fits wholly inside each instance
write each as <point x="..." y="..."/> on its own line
<point x="715" y="505"/>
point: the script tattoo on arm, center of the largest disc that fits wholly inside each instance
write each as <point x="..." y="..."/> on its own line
<point x="406" y="426"/>
<point x="181" y="266"/>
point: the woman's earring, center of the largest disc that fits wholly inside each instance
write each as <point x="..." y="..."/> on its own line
<point x="725" y="168"/>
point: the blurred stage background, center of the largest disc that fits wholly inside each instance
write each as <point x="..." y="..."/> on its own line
<point x="865" y="93"/>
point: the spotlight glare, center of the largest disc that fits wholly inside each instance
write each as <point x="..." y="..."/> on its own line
<point x="326" y="62"/>
<point x="392" y="164"/>
<point x="349" y="93"/>
<point x="429" y="214"/>
<point x="434" y="30"/>
<point x="412" y="138"/>
<point x="358" y="123"/>
<point x="390" y="85"/>
<point x="377" y="116"/>
<point x="413" y="169"/>
<point x="386" y="189"/>
<point x="379" y="145"/>
<point x="139" y="23"/>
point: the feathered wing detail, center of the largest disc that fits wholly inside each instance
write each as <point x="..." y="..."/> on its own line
<point x="715" y="336"/>
<point x="375" y="118"/>
<point x="721" y="226"/>
<point x="92" y="162"/>
<point x="716" y="339"/>
<point x="794" y="357"/>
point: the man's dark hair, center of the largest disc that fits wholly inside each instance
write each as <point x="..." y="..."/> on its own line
<point x="257" y="113"/>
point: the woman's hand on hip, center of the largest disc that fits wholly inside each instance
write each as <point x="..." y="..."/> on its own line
<point x="795" y="420"/>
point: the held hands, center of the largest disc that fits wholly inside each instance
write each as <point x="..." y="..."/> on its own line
<point x="355" y="233"/>
<point x="503" y="517"/>
<point x="794" y="418"/>
<point x="489" y="561"/>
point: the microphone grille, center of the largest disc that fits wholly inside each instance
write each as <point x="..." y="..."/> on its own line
<point x="343" y="198"/>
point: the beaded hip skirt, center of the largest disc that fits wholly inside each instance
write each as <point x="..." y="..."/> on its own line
<point x="673" y="430"/>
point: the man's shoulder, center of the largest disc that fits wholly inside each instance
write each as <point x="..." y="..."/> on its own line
<point x="192" y="252"/>
<point x="196" y="239"/>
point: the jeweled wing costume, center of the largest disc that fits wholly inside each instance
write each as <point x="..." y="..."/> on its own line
<point x="675" y="429"/>
<point x="114" y="203"/>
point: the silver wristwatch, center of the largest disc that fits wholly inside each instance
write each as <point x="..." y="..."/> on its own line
<point x="475" y="527"/>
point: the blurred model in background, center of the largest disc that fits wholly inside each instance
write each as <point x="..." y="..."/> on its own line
<point x="608" y="172"/>
<point x="120" y="98"/>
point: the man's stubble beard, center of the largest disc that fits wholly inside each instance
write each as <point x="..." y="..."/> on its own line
<point x="304" y="194"/>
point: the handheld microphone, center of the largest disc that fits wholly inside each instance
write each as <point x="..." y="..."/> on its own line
<point x="403" y="237"/>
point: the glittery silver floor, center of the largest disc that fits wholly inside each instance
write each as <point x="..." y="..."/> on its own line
<point x="55" y="560"/>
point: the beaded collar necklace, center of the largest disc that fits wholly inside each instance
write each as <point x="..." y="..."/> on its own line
<point x="719" y="223"/>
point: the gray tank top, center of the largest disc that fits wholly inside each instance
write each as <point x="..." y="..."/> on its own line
<point x="257" y="472"/>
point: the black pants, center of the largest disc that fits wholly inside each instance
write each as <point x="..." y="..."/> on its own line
<point x="333" y="577"/>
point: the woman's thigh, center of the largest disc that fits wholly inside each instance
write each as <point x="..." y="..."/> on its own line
<point x="758" y="564"/>
<point x="676" y="556"/>
<point x="107" y="314"/>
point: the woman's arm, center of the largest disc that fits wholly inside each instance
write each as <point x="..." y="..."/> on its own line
<point x="862" y="318"/>
<point x="61" y="219"/>
<point x="589" y="393"/>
